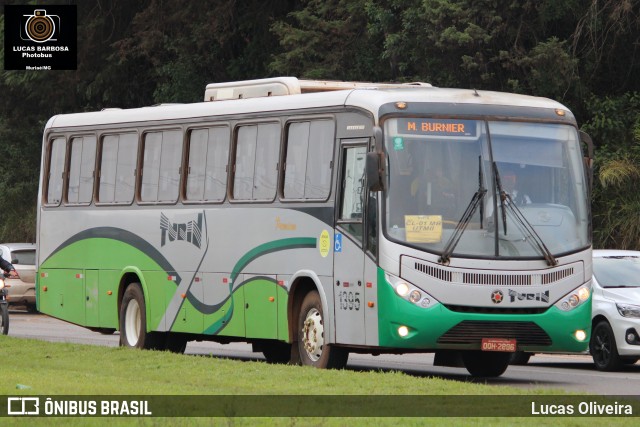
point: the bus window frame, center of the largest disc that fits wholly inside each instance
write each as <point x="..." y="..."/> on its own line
<point x="283" y="151"/>
<point x="346" y="143"/>
<point x="70" y="139"/>
<point x="96" y="191"/>
<point x="185" y="162"/>
<point x="233" y="153"/>
<point x="139" y="172"/>
<point x="47" y="170"/>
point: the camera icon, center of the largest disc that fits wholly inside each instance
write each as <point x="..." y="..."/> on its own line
<point x="40" y="27"/>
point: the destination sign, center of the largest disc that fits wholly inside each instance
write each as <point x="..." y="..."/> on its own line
<point x="437" y="127"/>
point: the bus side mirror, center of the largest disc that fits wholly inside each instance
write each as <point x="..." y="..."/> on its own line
<point x="375" y="171"/>
<point x="374" y="164"/>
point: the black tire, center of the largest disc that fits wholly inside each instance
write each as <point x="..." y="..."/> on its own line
<point x="133" y="321"/>
<point x="311" y="345"/>
<point x="4" y="318"/>
<point x="31" y="308"/>
<point x="277" y="352"/>
<point x="486" y="363"/>
<point x="603" y="348"/>
<point x="520" y="358"/>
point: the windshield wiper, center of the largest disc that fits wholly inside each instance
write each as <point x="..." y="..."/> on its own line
<point x="527" y="229"/>
<point x="503" y="196"/>
<point x="476" y="200"/>
<point x="506" y="202"/>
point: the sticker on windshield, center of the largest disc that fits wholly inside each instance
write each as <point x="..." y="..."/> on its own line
<point x="423" y="228"/>
<point x="398" y="143"/>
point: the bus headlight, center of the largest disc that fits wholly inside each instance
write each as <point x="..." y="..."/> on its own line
<point x="402" y="289"/>
<point x="409" y="292"/>
<point x="574" y="298"/>
<point x="415" y="296"/>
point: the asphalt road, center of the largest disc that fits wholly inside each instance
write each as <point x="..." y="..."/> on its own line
<point x="572" y="373"/>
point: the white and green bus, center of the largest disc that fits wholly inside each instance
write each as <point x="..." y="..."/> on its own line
<point x="313" y="219"/>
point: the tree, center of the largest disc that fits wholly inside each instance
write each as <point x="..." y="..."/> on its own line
<point x="327" y="40"/>
<point x="615" y="124"/>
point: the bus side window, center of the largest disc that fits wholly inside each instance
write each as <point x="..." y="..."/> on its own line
<point x="161" y="166"/>
<point x="353" y="191"/>
<point x="208" y="157"/>
<point x="117" y="168"/>
<point x="256" y="162"/>
<point x="81" y="165"/>
<point x="56" y="167"/>
<point x="309" y="152"/>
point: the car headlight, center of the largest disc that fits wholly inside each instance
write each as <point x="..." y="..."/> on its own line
<point x="1" y="283"/>
<point x="574" y="299"/>
<point x="628" y="310"/>
<point x="409" y="292"/>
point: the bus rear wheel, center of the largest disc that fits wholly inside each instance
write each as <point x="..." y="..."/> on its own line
<point x="486" y="363"/>
<point x="133" y="320"/>
<point x="313" y="349"/>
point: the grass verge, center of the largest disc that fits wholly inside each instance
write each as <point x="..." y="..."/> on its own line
<point x="32" y="367"/>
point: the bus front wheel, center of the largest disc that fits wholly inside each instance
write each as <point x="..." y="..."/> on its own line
<point x="313" y="349"/>
<point x="486" y="363"/>
<point x="133" y="320"/>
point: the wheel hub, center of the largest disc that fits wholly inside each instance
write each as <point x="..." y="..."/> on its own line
<point x="313" y="334"/>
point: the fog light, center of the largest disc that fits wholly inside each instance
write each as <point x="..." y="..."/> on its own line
<point x="403" y="331"/>
<point x="630" y="338"/>
<point x="580" y="335"/>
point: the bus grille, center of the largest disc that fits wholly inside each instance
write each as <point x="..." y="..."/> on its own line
<point x="493" y="279"/>
<point x="494" y="310"/>
<point x="472" y="332"/>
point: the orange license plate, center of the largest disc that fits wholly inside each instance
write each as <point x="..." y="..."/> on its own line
<point x="498" y="344"/>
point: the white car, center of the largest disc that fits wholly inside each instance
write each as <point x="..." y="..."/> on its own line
<point x="615" y="338"/>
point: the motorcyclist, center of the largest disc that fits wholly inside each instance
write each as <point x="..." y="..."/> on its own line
<point x="7" y="267"/>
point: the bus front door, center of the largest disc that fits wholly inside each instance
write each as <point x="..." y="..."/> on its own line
<point x="348" y="246"/>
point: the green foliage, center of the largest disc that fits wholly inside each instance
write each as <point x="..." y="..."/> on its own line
<point x="615" y="128"/>
<point x="327" y="40"/>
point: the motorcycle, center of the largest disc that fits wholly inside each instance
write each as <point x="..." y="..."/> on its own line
<point x="4" y="306"/>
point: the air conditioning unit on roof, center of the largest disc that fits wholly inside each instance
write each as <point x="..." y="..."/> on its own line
<point x="279" y="86"/>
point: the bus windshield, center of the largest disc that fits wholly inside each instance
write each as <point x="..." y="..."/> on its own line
<point x="518" y="183"/>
